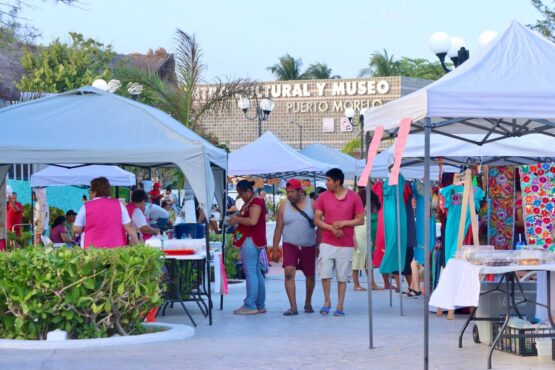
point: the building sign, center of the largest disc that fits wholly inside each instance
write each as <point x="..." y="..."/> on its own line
<point x="319" y="96"/>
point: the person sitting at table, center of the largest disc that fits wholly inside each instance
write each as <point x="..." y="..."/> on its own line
<point x="136" y="209"/>
<point x="58" y="233"/>
<point x="158" y="216"/>
<point x="102" y="219"/>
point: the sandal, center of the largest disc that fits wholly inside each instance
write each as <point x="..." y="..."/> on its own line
<point x="245" y="311"/>
<point x="290" y="312"/>
<point x="339" y="313"/>
<point x="308" y="309"/>
<point x="325" y="310"/>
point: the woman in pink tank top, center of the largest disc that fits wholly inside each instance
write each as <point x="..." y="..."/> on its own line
<point x="102" y="219"/>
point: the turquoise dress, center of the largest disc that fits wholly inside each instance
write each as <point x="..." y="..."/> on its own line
<point x="418" y="191"/>
<point x="390" y="262"/>
<point x="453" y="195"/>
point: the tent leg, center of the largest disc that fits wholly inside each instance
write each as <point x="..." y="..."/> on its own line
<point x="399" y="261"/>
<point x="33" y="218"/>
<point x="369" y="270"/>
<point x="427" y="193"/>
<point x="208" y="272"/>
<point x="224" y="212"/>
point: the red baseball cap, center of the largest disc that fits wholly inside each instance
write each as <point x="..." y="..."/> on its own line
<point x="294" y="184"/>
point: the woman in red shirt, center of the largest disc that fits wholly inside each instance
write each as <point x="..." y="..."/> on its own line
<point x="250" y="236"/>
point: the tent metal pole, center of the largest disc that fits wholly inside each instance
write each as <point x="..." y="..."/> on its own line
<point x="427" y="200"/>
<point x="369" y="269"/>
<point x="400" y="272"/>
<point x="207" y="267"/>
<point x="224" y="213"/>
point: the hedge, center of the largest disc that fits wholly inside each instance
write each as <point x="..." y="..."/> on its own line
<point x="88" y="293"/>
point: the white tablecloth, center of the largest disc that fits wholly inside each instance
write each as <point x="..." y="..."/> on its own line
<point x="459" y="283"/>
<point x="196" y="244"/>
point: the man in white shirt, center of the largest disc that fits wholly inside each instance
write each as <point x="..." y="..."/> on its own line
<point x="158" y="216"/>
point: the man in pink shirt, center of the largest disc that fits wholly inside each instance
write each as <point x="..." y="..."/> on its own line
<point x="337" y="212"/>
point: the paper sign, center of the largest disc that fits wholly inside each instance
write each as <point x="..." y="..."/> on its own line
<point x="328" y="125"/>
<point x="400" y="144"/>
<point x="372" y="151"/>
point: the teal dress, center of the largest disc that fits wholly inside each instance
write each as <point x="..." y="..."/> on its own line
<point x="453" y="195"/>
<point x="390" y="262"/>
<point x="418" y="191"/>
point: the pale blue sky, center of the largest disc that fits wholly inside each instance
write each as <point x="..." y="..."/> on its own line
<point x="243" y="37"/>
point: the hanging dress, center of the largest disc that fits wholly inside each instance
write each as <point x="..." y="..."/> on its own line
<point x="418" y="190"/>
<point x="453" y="195"/>
<point x="390" y="262"/>
<point x="379" y="245"/>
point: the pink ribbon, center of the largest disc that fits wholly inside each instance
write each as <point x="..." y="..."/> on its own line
<point x="400" y="144"/>
<point x="372" y="151"/>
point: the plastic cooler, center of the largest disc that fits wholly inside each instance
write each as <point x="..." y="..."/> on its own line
<point x="182" y="231"/>
<point x="495" y="305"/>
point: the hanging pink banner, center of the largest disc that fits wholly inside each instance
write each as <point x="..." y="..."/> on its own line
<point x="372" y="151"/>
<point x="400" y="144"/>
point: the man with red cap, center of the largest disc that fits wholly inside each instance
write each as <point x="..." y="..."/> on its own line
<point x="295" y="224"/>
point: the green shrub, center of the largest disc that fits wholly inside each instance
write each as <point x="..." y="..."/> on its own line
<point x="88" y="293"/>
<point x="20" y="241"/>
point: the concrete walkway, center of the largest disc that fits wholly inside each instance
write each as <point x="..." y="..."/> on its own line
<point x="307" y="341"/>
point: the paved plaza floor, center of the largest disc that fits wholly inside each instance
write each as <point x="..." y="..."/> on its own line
<point x="307" y="341"/>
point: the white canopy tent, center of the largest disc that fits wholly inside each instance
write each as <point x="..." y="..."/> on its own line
<point x="91" y="126"/>
<point x="506" y="91"/>
<point x="269" y="156"/>
<point x="348" y="164"/>
<point x="78" y="174"/>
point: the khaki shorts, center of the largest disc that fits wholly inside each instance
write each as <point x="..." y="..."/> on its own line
<point x="338" y="258"/>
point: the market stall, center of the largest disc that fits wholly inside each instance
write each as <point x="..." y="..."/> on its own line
<point x="91" y="126"/>
<point x="268" y="156"/>
<point x="494" y="94"/>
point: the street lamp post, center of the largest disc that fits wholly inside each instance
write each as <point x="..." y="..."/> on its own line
<point x="443" y="45"/>
<point x="263" y="111"/>
<point x="350" y="114"/>
<point x="300" y="133"/>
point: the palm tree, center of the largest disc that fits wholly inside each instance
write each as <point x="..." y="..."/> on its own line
<point x="319" y="71"/>
<point x="287" y="69"/>
<point x="181" y="98"/>
<point x="380" y="65"/>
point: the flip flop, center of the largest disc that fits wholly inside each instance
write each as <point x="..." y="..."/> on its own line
<point x="377" y="288"/>
<point x="324" y="311"/>
<point x="290" y="313"/>
<point x="360" y="289"/>
<point x="339" y="313"/>
<point x="308" y="309"/>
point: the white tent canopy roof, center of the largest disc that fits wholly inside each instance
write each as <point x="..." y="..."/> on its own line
<point x="76" y="174"/>
<point x="91" y="126"/>
<point x="268" y="155"/>
<point x="347" y="163"/>
<point x="511" y="79"/>
<point x="380" y="168"/>
<point x="515" y="150"/>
